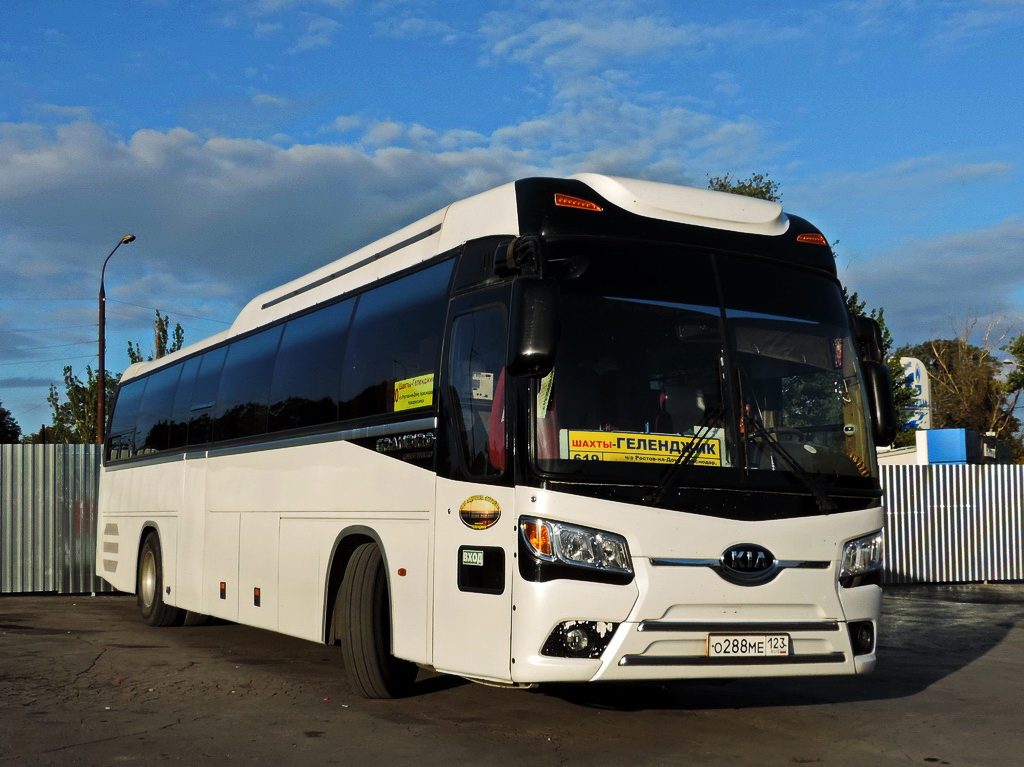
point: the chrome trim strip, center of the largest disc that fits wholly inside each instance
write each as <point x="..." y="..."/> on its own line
<point x="700" y="660"/>
<point x="157" y="459"/>
<point x="708" y="627"/>
<point x="781" y="564"/>
<point x="364" y="432"/>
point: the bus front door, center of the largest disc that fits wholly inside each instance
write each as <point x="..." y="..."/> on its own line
<point x="474" y="534"/>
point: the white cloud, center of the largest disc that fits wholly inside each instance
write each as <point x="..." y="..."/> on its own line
<point x="929" y="288"/>
<point x="412" y="27"/>
<point x="726" y="84"/>
<point x="976" y="20"/>
<point x="213" y="211"/>
<point x="916" y="174"/>
<point x="319" y="33"/>
<point x="580" y="45"/>
<point x="268" y="100"/>
<point x="62" y="112"/>
<point x="263" y="30"/>
<point x="261" y="7"/>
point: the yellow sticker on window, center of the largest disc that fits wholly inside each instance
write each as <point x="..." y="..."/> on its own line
<point x="637" y="447"/>
<point x="417" y="391"/>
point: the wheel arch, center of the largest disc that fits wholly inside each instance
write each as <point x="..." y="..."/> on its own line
<point x="146" y="528"/>
<point x="345" y="544"/>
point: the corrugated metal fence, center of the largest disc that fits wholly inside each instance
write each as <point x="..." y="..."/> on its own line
<point x="944" y="523"/>
<point x="950" y="524"/>
<point x="48" y="519"/>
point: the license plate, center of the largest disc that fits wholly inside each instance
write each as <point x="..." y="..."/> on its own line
<point x="747" y="645"/>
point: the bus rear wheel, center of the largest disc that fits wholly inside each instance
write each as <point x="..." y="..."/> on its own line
<point x="150" y="586"/>
<point x="363" y="619"/>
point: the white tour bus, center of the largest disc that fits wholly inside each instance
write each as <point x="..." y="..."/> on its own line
<point x="578" y="429"/>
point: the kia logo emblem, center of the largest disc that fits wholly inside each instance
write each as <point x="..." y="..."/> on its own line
<point x="747" y="564"/>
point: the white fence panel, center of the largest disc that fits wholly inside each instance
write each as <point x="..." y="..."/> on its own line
<point x="954" y="524"/>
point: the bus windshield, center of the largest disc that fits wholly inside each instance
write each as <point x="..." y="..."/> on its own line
<point x="734" y="368"/>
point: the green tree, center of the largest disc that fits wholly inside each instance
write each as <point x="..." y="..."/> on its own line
<point x="10" y="432"/>
<point x="758" y="185"/>
<point x="73" y="411"/>
<point x="966" y="388"/>
<point x="73" y="415"/>
<point x="164" y="340"/>
<point x="1014" y="384"/>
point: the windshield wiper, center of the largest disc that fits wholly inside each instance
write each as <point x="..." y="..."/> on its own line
<point x="825" y="503"/>
<point x="686" y="455"/>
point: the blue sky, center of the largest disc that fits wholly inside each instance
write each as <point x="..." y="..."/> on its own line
<point x="246" y="142"/>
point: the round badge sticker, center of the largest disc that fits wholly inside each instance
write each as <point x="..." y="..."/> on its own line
<point x="479" y="512"/>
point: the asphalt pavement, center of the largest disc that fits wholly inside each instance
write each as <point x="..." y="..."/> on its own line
<point x="84" y="682"/>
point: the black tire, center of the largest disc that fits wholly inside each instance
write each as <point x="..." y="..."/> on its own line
<point x="149" y="586"/>
<point x="363" y="621"/>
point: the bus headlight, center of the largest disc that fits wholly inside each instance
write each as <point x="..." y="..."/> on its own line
<point x="554" y="546"/>
<point x="862" y="561"/>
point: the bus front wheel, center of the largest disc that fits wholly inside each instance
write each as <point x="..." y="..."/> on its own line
<point x="150" y="586"/>
<point x="363" y="619"/>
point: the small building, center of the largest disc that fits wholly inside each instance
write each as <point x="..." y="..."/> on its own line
<point x="948" y="447"/>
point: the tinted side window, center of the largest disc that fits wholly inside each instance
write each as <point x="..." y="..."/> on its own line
<point x="477" y="376"/>
<point x="241" y="409"/>
<point x="204" y="396"/>
<point x="181" y="412"/>
<point x="154" y="420"/>
<point x="392" y="352"/>
<point x="307" y="377"/>
<point x="121" y="440"/>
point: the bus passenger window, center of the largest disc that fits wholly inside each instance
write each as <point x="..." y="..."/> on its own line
<point x="393" y="345"/>
<point x="122" y="440"/>
<point x="181" y="409"/>
<point x="307" y="375"/>
<point x="155" y="412"/>
<point x="241" y="409"/>
<point x="477" y="380"/>
<point x="204" y="396"/>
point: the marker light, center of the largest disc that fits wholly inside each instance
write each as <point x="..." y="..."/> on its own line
<point x="814" y="238"/>
<point x="538" y="535"/>
<point x="567" y="201"/>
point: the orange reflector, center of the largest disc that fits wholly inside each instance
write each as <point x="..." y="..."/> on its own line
<point x="813" y="238"/>
<point x="401" y="571"/>
<point x="539" y="537"/>
<point x="567" y="201"/>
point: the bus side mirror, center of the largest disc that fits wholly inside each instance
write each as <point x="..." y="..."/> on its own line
<point x="533" y="327"/>
<point x="869" y="337"/>
<point x="878" y="381"/>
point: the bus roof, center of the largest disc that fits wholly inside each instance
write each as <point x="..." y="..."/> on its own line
<point x="494" y="212"/>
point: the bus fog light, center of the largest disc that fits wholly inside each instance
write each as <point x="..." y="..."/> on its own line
<point x="579" y="639"/>
<point x="862" y="637"/>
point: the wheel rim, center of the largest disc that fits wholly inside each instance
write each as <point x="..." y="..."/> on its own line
<point x="147" y="578"/>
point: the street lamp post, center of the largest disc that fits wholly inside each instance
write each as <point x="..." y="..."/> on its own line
<point x="101" y="378"/>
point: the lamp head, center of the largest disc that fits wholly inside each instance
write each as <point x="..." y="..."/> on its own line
<point x="127" y="238"/>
